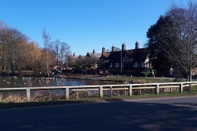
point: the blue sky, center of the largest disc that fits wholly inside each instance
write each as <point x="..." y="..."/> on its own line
<point x="85" y="24"/>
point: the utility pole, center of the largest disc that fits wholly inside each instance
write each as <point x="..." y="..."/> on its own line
<point x="120" y="62"/>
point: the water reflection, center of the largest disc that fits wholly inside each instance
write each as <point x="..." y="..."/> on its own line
<point x="44" y="81"/>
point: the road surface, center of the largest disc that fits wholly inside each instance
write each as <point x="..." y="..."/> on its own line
<point x="136" y="115"/>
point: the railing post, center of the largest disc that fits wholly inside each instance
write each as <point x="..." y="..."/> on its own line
<point x="130" y="90"/>
<point x="157" y="89"/>
<point x="190" y="87"/>
<point x="67" y="93"/>
<point x="125" y="93"/>
<point x="111" y="91"/>
<point x="181" y="88"/>
<point x="28" y="93"/>
<point x="101" y="91"/>
<point x="76" y="94"/>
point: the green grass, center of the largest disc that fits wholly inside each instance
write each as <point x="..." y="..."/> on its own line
<point x="138" y="79"/>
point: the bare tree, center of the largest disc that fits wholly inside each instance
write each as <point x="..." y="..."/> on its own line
<point x="4" y="37"/>
<point x="10" y="41"/>
<point x="14" y="51"/>
<point x="46" y="39"/>
<point x="184" y="51"/>
<point x="61" y="51"/>
<point x="17" y="53"/>
<point x="70" y="61"/>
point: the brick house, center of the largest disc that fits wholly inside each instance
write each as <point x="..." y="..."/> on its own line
<point x="125" y="61"/>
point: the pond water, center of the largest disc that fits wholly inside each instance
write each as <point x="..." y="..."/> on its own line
<point x="46" y="81"/>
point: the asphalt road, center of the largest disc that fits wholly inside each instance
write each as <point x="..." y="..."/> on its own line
<point x="168" y="114"/>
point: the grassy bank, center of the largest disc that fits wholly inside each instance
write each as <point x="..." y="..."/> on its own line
<point x="124" y="79"/>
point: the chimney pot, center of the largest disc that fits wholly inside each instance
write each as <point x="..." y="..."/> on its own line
<point x="136" y="45"/>
<point x="103" y="50"/>
<point x="113" y="48"/>
<point x="123" y="47"/>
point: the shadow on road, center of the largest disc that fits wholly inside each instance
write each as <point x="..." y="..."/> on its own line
<point x="104" y="116"/>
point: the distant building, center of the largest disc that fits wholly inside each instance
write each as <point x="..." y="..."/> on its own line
<point x="131" y="61"/>
<point x="88" y="56"/>
<point x="93" y="55"/>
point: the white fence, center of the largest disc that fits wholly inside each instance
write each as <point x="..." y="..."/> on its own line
<point x="101" y="88"/>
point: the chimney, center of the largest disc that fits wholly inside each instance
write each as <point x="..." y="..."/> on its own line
<point x="93" y="51"/>
<point x="123" y="47"/>
<point x="113" y="48"/>
<point x="73" y="54"/>
<point x="103" y="50"/>
<point x="136" y="45"/>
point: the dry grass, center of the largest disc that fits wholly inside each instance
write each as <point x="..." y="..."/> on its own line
<point x="19" y="98"/>
<point x="46" y="96"/>
<point x="11" y="97"/>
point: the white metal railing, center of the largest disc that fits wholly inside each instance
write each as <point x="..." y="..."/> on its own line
<point x="101" y="88"/>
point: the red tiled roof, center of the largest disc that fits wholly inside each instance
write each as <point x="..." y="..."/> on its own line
<point x="106" y="55"/>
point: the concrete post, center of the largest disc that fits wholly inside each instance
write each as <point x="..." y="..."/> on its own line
<point x="125" y="92"/>
<point x="67" y="93"/>
<point x="111" y="91"/>
<point x="157" y="89"/>
<point x="101" y="91"/>
<point x="181" y="88"/>
<point x="130" y="90"/>
<point x="28" y="94"/>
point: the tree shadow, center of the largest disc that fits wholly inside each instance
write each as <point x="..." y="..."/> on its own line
<point x="108" y="115"/>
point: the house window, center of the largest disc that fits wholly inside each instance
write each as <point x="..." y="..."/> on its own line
<point x="117" y="65"/>
<point x="135" y="65"/>
<point x="142" y="64"/>
<point x="106" y="61"/>
<point x="129" y="60"/>
<point x="111" y="65"/>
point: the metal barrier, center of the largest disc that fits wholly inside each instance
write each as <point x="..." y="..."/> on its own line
<point x="101" y="88"/>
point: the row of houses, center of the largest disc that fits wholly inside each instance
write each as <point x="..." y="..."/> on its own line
<point x="122" y="61"/>
<point x="125" y="60"/>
